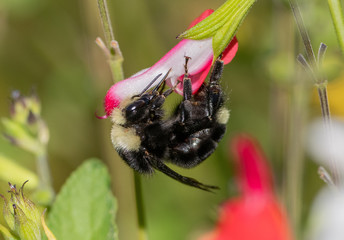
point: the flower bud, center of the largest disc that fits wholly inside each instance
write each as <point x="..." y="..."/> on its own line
<point x="25" y="128"/>
<point x="24" y="226"/>
<point x="21" y="215"/>
<point x="24" y="108"/>
<point x="8" y="215"/>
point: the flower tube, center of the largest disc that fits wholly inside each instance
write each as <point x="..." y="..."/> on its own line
<point x="200" y="53"/>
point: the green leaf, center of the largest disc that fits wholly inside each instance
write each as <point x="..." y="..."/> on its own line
<point x="13" y="172"/>
<point x="85" y="207"/>
<point x="209" y="25"/>
<point x="222" y="24"/>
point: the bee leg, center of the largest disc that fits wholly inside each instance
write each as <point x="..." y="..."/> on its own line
<point x="160" y="99"/>
<point x="187" y="94"/>
<point x="215" y="92"/>
<point x="159" y="165"/>
<point x="187" y="86"/>
<point x="216" y="73"/>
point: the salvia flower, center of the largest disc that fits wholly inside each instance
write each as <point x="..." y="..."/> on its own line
<point x="200" y="53"/>
<point x="256" y="214"/>
<point x="21" y="215"/>
<point x="25" y="127"/>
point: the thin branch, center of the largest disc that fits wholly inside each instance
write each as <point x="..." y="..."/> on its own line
<point x="140" y="208"/>
<point x="319" y="77"/>
<point x="106" y="22"/>
<point x="303" y="31"/>
<point x="111" y="48"/>
<point x="321" y="53"/>
<point x="338" y="20"/>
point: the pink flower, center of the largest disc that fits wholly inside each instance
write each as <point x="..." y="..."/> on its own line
<point x="256" y="214"/>
<point x="201" y="54"/>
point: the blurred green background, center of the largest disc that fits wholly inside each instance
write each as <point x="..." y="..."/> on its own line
<point x="49" y="46"/>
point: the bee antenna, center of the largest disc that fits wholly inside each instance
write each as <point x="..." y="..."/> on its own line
<point x="162" y="81"/>
<point x="147" y="87"/>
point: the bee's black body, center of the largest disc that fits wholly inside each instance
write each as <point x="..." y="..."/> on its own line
<point x="185" y="139"/>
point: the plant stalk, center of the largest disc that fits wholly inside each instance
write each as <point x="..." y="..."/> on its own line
<point x="294" y="163"/>
<point x="106" y="22"/>
<point x="303" y="32"/>
<point x="320" y="82"/>
<point x="325" y="110"/>
<point x="142" y="234"/>
<point x="338" y="20"/>
<point x="112" y="50"/>
<point x="43" y="172"/>
<point x="115" y="60"/>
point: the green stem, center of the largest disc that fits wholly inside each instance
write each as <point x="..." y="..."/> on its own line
<point x="295" y="152"/>
<point x="43" y="171"/>
<point x="142" y="235"/>
<point x="112" y="50"/>
<point x="325" y="110"/>
<point x="303" y="32"/>
<point x="106" y="22"/>
<point x="115" y="59"/>
<point x="338" y="20"/>
<point x="320" y="81"/>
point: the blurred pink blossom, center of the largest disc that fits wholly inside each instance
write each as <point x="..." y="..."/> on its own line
<point x="256" y="214"/>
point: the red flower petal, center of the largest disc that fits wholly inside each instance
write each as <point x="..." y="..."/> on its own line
<point x="253" y="170"/>
<point x="201" y="54"/>
<point x="229" y="53"/>
<point x="257" y="214"/>
<point x="246" y="219"/>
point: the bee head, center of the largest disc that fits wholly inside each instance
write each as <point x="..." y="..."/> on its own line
<point x="139" y="109"/>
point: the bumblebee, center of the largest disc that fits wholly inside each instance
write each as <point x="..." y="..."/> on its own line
<point x="146" y="140"/>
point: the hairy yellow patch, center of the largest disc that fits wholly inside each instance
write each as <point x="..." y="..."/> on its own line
<point x="125" y="138"/>
<point x="222" y="115"/>
<point x="117" y="115"/>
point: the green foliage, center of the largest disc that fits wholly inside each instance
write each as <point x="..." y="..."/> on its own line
<point x="50" y="45"/>
<point x="7" y="234"/>
<point x="22" y="216"/>
<point x="221" y="25"/>
<point x="13" y="172"/>
<point x="85" y="207"/>
<point x="25" y="128"/>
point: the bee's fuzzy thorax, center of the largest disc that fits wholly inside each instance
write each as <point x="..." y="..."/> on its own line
<point x="125" y="139"/>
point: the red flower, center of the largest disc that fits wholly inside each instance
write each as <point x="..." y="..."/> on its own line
<point x="256" y="214"/>
<point x="201" y="54"/>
